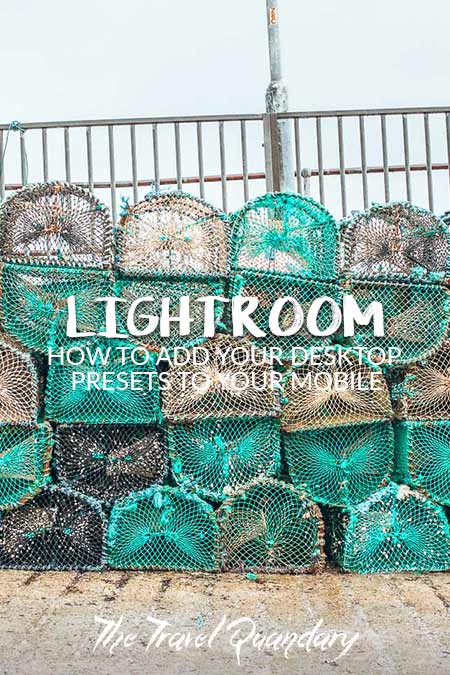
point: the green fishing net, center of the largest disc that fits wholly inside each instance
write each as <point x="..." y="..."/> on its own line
<point x="424" y="392"/>
<point x="173" y="234"/>
<point x="285" y="233"/>
<point x="109" y="461"/>
<point x="34" y="302"/>
<point x="342" y="465"/>
<point x="395" y="240"/>
<point x="225" y="383"/>
<point x="270" y="527"/>
<point x="163" y="528"/>
<point x="56" y="224"/>
<point x="331" y="390"/>
<point x="214" y="457"/>
<point x="268" y="287"/>
<point x="20" y="391"/>
<point x="24" y="462"/>
<point x="423" y="457"/>
<point x="102" y="385"/>
<point x="58" y="530"/>
<point x="394" y="530"/>
<point x="157" y="289"/>
<point x="416" y="317"/>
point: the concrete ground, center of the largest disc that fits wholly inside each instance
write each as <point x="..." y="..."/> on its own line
<point x="48" y="623"/>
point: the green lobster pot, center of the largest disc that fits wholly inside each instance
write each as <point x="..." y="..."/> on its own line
<point x="173" y="235"/>
<point x="163" y="528"/>
<point x="25" y="453"/>
<point x="58" y="530"/>
<point x="109" y="461"/>
<point x="34" y="302"/>
<point x="395" y="241"/>
<point x="56" y="224"/>
<point x="98" y="392"/>
<point x="268" y="287"/>
<point x="342" y="465"/>
<point x="20" y="391"/>
<point x="214" y="457"/>
<point x="423" y="457"/>
<point x="286" y="234"/>
<point x="334" y="392"/>
<point x="394" y="530"/>
<point x="270" y="526"/>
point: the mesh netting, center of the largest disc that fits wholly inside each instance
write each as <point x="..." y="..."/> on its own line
<point x="348" y="391"/>
<point x="55" y="223"/>
<point x="423" y="457"/>
<point x="216" y="456"/>
<point x="24" y="462"/>
<point x="396" y="240"/>
<point x="19" y="386"/>
<point x="108" y="462"/>
<point x="340" y="466"/>
<point x="58" y="530"/>
<point x="130" y="290"/>
<point x="270" y="527"/>
<point x="425" y="390"/>
<point x="285" y="233"/>
<point x="395" y="530"/>
<point x="268" y="287"/>
<point x="226" y="384"/>
<point x="163" y="528"/>
<point x="173" y="234"/>
<point x="106" y="388"/>
<point x="416" y="317"/>
<point x="34" y="302"/>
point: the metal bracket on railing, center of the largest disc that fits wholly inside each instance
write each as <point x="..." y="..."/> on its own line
<point x="306" y="176"/>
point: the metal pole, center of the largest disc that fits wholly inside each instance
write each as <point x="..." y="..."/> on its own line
<point x="277" y="101"/>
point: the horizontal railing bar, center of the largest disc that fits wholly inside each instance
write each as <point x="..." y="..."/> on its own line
<point x="364" y="112"/>
<point x="356" y="170"/>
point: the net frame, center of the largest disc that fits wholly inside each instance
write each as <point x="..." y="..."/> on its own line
<point x="340" y="466"/>
<point x="56" y="223"/>
<point x="107" y="462"/>
<point x="161" y="225"/>
<point x="236" y="536"/>
<point x="320" y="407"/>
<point x="360" y="539"/>
<point x="25" y="453"/>
<point x="395" y="241"/>
<point x="184" y="399"/>
<point x="215" y="457"/>
<point x="20" y="385"/>
<point x="285" y="233"/>
<point x="162" y="504"/>
<point x="50" y="531"/>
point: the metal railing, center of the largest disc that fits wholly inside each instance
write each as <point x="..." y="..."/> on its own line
<point x="345" y="158"/>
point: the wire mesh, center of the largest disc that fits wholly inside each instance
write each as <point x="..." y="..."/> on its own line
<point x="106" y="461"/>
<point x="343" y="465"/>
<point x="270" y="527"/>
<point x="163" y="528"/>
<point x="56" y="224"/>
<point x="416" y="318"/>
<point x="105" y="388"/>
<point x="396" y="240"/>
<point x="225" y="384"/>
<point x="344" y="391"/>
<point x="24" y="462"/>
<point x="287" y="234"/>
<point x="131" y="289"/>
<point x="268" y="287"/>
<point x="58" y="530"/>
<point x="394" y="530"/>
<point x="20" y="388"/>
<point x="215" y="457"/>
<point x="173" y="234"/>
<point x="34" y="302"/>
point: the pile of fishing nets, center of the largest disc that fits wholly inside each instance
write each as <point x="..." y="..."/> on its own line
<point x="221" y="462"/>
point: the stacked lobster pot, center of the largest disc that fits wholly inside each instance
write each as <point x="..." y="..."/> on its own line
<point x="399" y="255"/>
